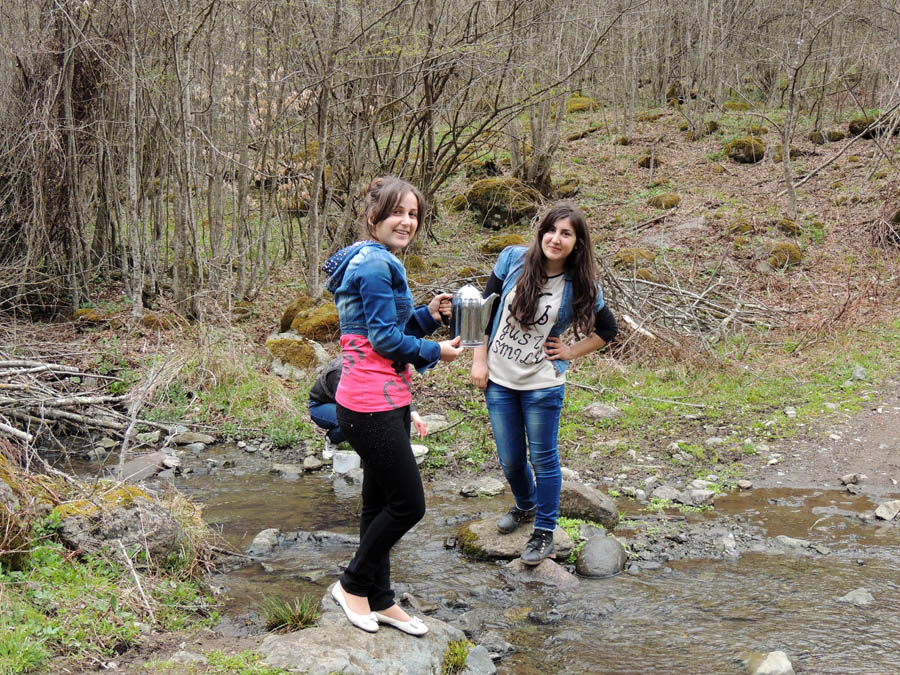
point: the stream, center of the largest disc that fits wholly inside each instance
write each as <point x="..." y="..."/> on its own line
<point x="684" y="616"/>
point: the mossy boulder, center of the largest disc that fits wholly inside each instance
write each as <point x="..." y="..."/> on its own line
<point x="295" y="357"/>
<point x="631" y="257"/>
<point x="784" y="254"/>
<point x="621" y="139"/>
<point x="479" y="168"/>
<point x="89" y="315"/>
<point x="665" y="200"/>
<point x="645" y="274"/>
<point x="737" y="106"/>
<point x="319" y="323"/>
<point x="707" y="128"/>
<point x="649" y="161"/>
<point x="649" y="116"/>
<point x="788" y="226"/>
<point x="756" y="130"/>
<point x="865" y="126"/>
<point x="835" y="135"/>
<point x="500" y="241"/>
<point x="675" y="94"/>
<point x="778" y="153"/>
<point x="740" y="226"/>
<point x="502" y="200"/>
<point x="568" y="188"/>
<point x="479" y="539"/>
<point x="581" y="104"/>
<point x="457" y="203"/>
<point x="816" y="137"/>
<point x="746" y="150"/>
<point x="741" y="242"/>
<point x="159" y="321"/>
<point x="301" y="303"/>
<point x="414" y="263"/>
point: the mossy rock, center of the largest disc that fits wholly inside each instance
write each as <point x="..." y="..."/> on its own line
<point x="645" y="274"/>
<point x="737" y="106"/>
<point x="242" y="309"/>
<point x="878" y="175"/>
<point x="479" y="168"/>
<point x="157" y="321"/>
<point x="621" y="140"/>
<point x="684" y="126"/>
<point x="414" y="263"/>
<point x="788" y="226"/>
<point x="756" y="130"/>
<point x="817" y="137"/>
<point x="853" y="158"/>
<point x="500" y="241"/>
<point x="457" y="203"/>
<point x="741" y="242"/>
<point x="865" y="126"/>
<point x="717" y="169"/>
<point x="741" y="226"/>
<point x="302" y="302"/>
<point x="649" y="161"/>
<point x="746" y="150"/>
<point x="835" y="135"/>
<point x="649" y="117"/>
<point x="294" y="350"/>
<point x="89" y="315"/>
<point x="665" y="200"/>
<point x="784" y="254"/>
<point x="778" y="153"/>
<point x="472" y="272"/>
<point x="675" y="93"/>
<point x="706" y="129"/>
<point x="124" y="495"/>
<point x="581" y="104"/>
<point x="502" y="200"/>
<point x="568" y="188"/>
<point x="630" y="257"/>
<point x="320" y="323"/>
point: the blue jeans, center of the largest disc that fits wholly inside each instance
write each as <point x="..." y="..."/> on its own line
<point x="532" y="415"/>
<point x="325" y="416"/>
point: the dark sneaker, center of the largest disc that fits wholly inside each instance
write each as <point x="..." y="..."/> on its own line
<point x="511" y="520"/>
<point x="538" y="547"/>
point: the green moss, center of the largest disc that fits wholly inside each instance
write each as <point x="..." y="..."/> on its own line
<point x="89" y="315"/>
<point x="784" y="254"/>
<point x="622" y="140"/>
<point x="789" y="226"/>
<point x="468" y="543"/>
<point x="321" y="323"/>
<point x="124" y="495"/>
<point x="297" y="353"/>
<point x="581" y="104"/>
<point x="156" y="321"/>
<point x="649" y="161"/>
<point x="746" y="150"/>
<point x="502" y="200"/>
<point x="816" y="137"/>
<point x="835" y="135"/>
<point x="778" y="153"/>
<point x="301" y="303"/>
<point x="665" y="200"/>
<point x="740" y="226"/>
<point x="629" y="257"/>
<point x="500" y="241"/>
<point x="756" y="130"/>
<point x="737" y="106"/>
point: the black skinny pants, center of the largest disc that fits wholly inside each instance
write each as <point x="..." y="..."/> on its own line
<point x="393" y="499"/>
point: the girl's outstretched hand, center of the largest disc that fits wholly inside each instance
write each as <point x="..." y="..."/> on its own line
<point x="419" y="423"/>
<point x="450" y="349"/>
<point x="556" y="349"/>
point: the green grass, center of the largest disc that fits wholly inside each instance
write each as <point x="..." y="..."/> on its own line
<point x="282" y="616"/>
<point x="219" y="663"/>
<point x="455" y="657"/>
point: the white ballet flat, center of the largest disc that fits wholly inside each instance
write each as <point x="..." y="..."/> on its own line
<point x="415" y="626"/>
<point x="367" y="622"/>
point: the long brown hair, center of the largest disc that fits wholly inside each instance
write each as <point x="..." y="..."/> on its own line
<point x="579" y="265"/>
<point x="382" y="195"/>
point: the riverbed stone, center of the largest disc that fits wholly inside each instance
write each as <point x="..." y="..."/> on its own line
<point x="859" y="597"/>
<point x="601" y="557"/>
<point x="702" y="497"/>
<point x="888" y="510"/>
<point x="495" y="644"/>
<point x="264" y="542"/>
<point x="435" y="422"/>
<point x="577" y="500"/>
<point x="312" y="463"/>
<point x="601" y="411"/>
<point x="335" y="646"/>
<point x="666" y="493"/>
<point x="287" y="469"/>
<point x="188" y="437"/>
<point x="546" y="572"/>
<point x="484" y="487"/>
<point x="772" y="663"/>
<point x="481" y="539"/>
<point x="195" y="448"/>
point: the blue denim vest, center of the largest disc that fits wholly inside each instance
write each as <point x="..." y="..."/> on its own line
<point x="508" y="269"/>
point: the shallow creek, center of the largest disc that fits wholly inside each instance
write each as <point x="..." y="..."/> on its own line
<point x="689" y="616"/>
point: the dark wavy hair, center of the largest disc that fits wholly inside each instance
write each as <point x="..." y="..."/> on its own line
<point x="382" y="195"/>
<point x="579" y="265"/>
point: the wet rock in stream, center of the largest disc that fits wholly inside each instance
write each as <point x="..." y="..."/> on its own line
<point x="481" y="540"/>
<point x="334" y="645"/>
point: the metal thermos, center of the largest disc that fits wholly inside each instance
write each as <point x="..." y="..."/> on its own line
<point x="470" y="315"/>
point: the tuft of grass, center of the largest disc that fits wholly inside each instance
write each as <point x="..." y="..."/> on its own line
<point x="455" y="657"/>
<point x="282" y="616"/>
<point x="219" y="663"/>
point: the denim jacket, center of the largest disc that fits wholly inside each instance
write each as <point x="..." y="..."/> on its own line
<point x="373" y="300"/>
<point x="508" y="269"/>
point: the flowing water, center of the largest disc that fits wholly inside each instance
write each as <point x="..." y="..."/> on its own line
<point x="690" y="616"/>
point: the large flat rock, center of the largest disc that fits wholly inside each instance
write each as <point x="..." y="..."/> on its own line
<point x="335" y="646"/>
<point x="481" y="539"/>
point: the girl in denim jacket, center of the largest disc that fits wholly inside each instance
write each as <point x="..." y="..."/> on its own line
<point x="544" y="289"/>
<point x="381" y="336"/>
